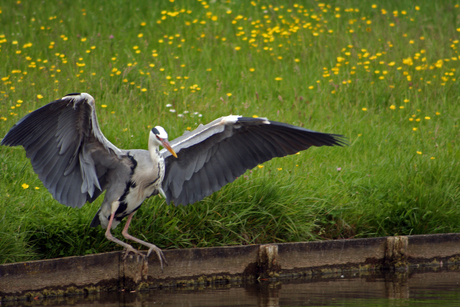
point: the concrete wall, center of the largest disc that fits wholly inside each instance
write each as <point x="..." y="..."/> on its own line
<point x="225" y="265"/>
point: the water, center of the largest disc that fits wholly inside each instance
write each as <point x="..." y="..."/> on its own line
<point x="434" y="288"/>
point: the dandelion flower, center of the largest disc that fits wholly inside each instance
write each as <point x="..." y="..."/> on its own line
<point x="432" y="158"/>
<point x="280" y="168"/>
<point x="229" y="94"/>
<point x="104" y="106"/>
<point x="25" y="186"/>
<point x="419" y="152"/>
<point x="414" y="129"/>
<point x="39" y="96"/>
<point x="278" y="78"/>
<point x="364" y="109"/>
<point x="393" y="107"/>
<point x="260" y="166"/>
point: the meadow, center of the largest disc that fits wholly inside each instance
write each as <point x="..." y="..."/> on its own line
<point x="381" y="73"/>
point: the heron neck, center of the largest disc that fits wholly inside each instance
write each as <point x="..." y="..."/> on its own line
<point x="154" y="150"/>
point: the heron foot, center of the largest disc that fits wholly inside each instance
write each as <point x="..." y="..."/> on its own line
<point x="130" y="249"/>
<point x="159" y="253"/>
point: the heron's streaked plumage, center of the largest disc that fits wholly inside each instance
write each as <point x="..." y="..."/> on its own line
<point x="76" y="162"/>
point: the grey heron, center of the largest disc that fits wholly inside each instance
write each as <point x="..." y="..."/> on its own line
<point x="76" y="162"/>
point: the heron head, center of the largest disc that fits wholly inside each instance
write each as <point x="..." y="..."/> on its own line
<point x="159" y="137"/>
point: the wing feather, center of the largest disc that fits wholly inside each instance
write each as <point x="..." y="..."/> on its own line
<point x="60" y="140"/>
<point x="217" y="153"/>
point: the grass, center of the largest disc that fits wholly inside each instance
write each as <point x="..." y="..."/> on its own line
<point x="384" y="74"/>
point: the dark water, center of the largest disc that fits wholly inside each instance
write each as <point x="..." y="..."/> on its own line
<point x="391" y="289"/>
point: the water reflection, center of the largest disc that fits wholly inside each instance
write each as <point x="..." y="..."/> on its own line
<point x="414" y="288"/>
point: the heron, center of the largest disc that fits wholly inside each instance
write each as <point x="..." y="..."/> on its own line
<point x="77" y="163"/>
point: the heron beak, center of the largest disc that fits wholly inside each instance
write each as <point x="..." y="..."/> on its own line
<point x="168" y="147"/>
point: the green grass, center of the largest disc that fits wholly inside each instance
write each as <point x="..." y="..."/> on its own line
<point x="383" y="76"/>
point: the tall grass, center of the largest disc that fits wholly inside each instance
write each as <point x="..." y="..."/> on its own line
<point x="384" y="74"/>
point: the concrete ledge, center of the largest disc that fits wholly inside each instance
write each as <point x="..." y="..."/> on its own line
<point x="226" y="265"/>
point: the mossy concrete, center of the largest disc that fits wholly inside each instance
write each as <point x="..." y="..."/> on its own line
<point x="203" y="267"/>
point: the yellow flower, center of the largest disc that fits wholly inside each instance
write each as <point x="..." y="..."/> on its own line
<point x="392" y="107"/>
<point x="419" y="152"/>
<point x="432" y="158"/>
<point x="237" y="48"/>
<point x="229" y="94"/>
<point x="260" y="166"/>
<point x="415" y="129"/>
<point x="25" y="186"/>
<point x="251" y="69"/>
<point x="278" y="78"/>
<point x="364" y="109"/>
<point x="144" y="90"/>
<point x="39" y="96"/>
<point x="280" y="168"/>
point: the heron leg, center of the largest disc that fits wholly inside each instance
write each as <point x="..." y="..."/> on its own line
<point x="110" y="237"/>
<point x="151" y="246"/>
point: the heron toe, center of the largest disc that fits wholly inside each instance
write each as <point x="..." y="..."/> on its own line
<point x="159" y="252"/>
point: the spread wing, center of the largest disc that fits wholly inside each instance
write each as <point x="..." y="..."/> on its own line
<point x="67" y="149"/>
<point x="215" y="154"/>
